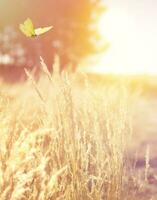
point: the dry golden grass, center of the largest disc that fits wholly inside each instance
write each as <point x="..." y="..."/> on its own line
<point x="63" y="141"/>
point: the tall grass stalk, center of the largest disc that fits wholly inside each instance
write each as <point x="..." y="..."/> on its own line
<point x="62" y="141"/>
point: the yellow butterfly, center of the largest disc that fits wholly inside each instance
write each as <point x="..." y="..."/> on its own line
<point x="27" y="28"/>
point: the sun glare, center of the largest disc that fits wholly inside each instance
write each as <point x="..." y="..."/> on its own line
<point x="113" y="24"/>
<point x="113" y="27"/>
<point x="132" y="49"/>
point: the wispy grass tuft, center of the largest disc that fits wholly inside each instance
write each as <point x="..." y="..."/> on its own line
<point x="63" y="141"/>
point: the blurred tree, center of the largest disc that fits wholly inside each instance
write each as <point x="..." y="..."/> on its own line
<point x="73" y="38"/>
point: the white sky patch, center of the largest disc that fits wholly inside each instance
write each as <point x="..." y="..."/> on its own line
<point x="131" y="28"/>
<point x="6" y="59"/>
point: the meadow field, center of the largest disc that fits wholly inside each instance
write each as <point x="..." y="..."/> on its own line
<point x="78" y="100"/>
<point x="65" y="137"/>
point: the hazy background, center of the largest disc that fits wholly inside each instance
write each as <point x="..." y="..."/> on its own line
<point x="82" y="31"/>
<point x="74" y="37"/>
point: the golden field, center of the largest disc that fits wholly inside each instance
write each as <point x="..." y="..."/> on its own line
<point x="64" y="138"/>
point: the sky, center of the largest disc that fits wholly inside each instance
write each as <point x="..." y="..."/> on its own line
<point x="130" y="26"/>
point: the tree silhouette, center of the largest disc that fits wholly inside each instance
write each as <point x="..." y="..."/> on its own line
<point x="73" y="38"/>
